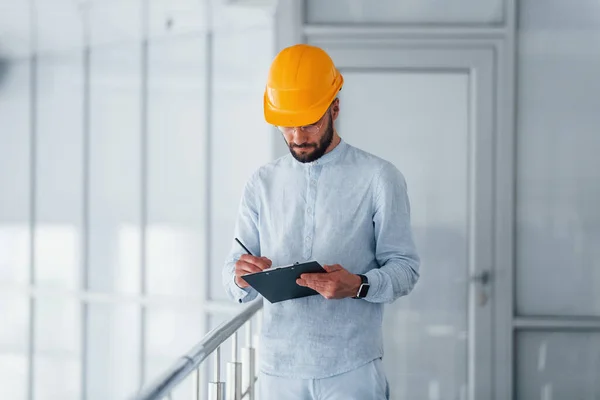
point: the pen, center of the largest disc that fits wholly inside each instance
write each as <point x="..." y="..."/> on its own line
<point x="242" y="244"/>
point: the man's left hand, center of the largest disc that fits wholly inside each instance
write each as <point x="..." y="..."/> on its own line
<point x="337" y="283"/>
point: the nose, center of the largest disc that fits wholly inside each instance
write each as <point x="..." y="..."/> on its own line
<point x="298" y="136"/>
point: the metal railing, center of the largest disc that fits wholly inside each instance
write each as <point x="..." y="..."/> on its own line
<point x="240" y="375"/>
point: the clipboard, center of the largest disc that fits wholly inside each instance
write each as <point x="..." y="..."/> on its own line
<point x="279" y="284"/>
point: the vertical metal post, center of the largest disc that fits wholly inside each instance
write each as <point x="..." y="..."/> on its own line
<point x="256" y="337"/>
<point x="198" y="383"/>
<point x="234" y="373"/>
<point x="216" y="389"/>
<point x="143" y="200"/>
<point x="248" y="363"/>
<point x="234" y="346"/>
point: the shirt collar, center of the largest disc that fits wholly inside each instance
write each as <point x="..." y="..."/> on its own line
<point x="331" y="156"/>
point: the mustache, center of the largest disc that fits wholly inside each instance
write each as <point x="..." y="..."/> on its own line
<point x="303" y="146"/>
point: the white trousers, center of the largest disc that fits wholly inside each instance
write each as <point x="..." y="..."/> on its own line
<point x="364" y="383"/>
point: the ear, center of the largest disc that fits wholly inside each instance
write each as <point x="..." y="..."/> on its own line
<point x="335" y="108"/>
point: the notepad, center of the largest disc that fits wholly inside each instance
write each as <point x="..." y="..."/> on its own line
<point x="279" y="284"/>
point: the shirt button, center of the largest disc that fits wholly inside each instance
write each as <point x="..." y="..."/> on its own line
<point x="308" y="210"/>
<point x="308" y="238"/>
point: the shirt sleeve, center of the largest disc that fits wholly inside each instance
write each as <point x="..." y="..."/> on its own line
<point x="395" y="250"/>
<point x="246" y="230"/>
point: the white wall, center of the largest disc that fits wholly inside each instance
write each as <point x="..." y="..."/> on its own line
<point x="127" y="130"/>
<point x="558" y="187"/>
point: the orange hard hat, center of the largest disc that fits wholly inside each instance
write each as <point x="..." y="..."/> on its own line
<point x="302" y="83"/>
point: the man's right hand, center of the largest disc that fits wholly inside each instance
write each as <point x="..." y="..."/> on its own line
<point x="248" y="264"/>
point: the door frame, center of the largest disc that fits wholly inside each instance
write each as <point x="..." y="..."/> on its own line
<point x="399" y="56"/>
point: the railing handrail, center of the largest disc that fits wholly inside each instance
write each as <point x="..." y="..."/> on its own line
<point x="190" y="361"/>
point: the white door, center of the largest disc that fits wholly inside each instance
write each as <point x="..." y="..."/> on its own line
<point x="429" y="111"/>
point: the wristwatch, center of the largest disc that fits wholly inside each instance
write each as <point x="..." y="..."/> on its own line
<point x="364" y="288"/>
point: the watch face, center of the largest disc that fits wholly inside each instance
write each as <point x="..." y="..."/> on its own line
<point x="364" y="289"/>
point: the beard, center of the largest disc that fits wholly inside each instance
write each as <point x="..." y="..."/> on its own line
<point x="318" y="148"/>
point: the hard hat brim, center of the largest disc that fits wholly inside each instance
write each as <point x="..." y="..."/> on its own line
<point x="277" y="117"/>
<point x="290" y="118"/>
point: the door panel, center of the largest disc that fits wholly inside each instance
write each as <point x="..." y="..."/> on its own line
<point x="428" y="112"/>
<point x="399" y="115"/>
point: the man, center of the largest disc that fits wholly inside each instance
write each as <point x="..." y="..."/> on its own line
<point x="333" y="203"/>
